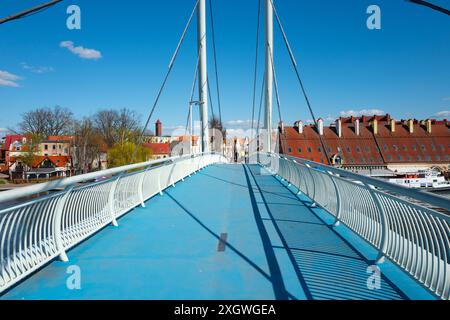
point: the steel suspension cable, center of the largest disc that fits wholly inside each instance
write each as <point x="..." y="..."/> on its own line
<point x="275" y="81"/>
<point x="161" y="89"/>
<point x="294" y="64"/>
<point x="215" y="60"/>
<point x="210" y="100"/>
<point x="260" y="106"/>
<point x="193" y="89"/>
<point x="255" y="75"/>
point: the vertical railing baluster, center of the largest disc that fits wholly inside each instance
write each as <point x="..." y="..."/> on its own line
<point x="57" y="228"/>
<point x="313" y="197"/>
<point x="384" y="224"/>
<point x="141" y="187"/>
<point x="337" y="220"/>
<point x="111" y="201"/>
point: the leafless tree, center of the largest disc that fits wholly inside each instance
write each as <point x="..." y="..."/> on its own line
<point x="117" y="126"/>
<point x="86" y="145"/>
<point x="54" y="121"/>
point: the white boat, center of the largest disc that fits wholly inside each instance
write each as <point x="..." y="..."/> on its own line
<point x="422" y="180"/>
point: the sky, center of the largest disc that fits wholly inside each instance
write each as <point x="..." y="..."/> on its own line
<point x="119" y="58"/>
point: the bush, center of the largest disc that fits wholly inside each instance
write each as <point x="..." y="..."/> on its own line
<point x="3" y="181"/>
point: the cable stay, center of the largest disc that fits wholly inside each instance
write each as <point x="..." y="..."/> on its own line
<point x="275" y="82"/>
<point x="215" y="61"/>
<point x="210" y="101"/>
<point x="166" y="77"/>
<point x="302" y="87"/>
<point x="258" y="23"/>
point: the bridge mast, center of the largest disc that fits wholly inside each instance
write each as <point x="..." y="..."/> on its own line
<point x="269" y="77"/>
<point x="203" y="80"/>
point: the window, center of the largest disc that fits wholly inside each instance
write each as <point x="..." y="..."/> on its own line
<point x="367" y="149"/>
<point x="414" y="147"/>
<point x="395" y="147"/>
<point x="46" y="147"/>
<point x="422" y="146"/>
<point x="348" y="149"/>
<point x="433" y="147"/>
<point x="428" y="158"/>
<point x="17" y="148"/>
<point x="438" y="158"/>
<point x="409" y="158"/>
<point x="363" y="160"/>
<point x="419" y="158"/>
<point x="54" y="147"/>
<point x="385" y="147"/>
<point x="319" y="149"/>
<point x="299" y="150"/>
<point x="289" y="150"/>
<point x="442" y="147"/>
<point x="400" y="158"/>
<point x="329" y="150"/>
<point x="389" y="157"/>
<point x="404" y="148"/>
<point x="309" y="149"/>
<point x="358" y="149"/>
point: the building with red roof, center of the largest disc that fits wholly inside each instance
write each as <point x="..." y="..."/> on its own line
<point x="52" y="157"/>
<point x="158" y="150"/>
<point x="368" y="142"/>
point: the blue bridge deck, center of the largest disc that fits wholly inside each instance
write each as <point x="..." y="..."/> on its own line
<point x="228" y="232"/>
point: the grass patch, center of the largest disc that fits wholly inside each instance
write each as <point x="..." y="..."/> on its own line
<point x="3" y="181"/>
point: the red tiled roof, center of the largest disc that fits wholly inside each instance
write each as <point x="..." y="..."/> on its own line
<point x="60" y="138"/>
<point x="11" y="138"/>
<point x="384" y="147"/>
<point x="158" y="148"/>
<point x="58" y="161"/>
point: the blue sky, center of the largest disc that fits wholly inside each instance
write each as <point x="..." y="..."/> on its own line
<point x="403" y="69"/>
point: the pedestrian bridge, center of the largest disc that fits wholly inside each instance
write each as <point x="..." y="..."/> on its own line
<point x="200" y="228"/>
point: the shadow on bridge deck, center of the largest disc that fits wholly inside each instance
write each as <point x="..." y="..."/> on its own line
<point x="228" y="232"/>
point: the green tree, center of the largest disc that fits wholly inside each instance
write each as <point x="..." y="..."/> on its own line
<point x="122" y="153"/>
<point x="30" y="154"/>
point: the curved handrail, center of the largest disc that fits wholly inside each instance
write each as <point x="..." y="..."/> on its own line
<point x="38" y="230"/>
<point x="416" y="238"/>
<point x="65" y="182"/>
<point x="430" y="198"/>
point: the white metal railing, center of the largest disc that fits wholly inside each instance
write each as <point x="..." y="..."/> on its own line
<point x="414" y="237"/>
<point x="36" y="231"/>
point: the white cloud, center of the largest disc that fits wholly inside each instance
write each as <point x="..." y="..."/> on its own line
<point x="238" y="133"/>
<point x="38" y="70"/>
<point x="442" y="114"/>
<point x="8" y="79"/>
<point x="363" y="112"/>
<point x="80" y="51"/>
<point x="243" y="124"/>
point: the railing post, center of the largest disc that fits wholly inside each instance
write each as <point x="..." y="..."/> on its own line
<point x="57" y="225"/>
<point x="313" y="204"/>
<point x="337" y="220"/>
<point x="141" y="187"/>
<point x="111" y="202"/>
<point x="384" y="224"/>
<point x="159" y="184"/>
